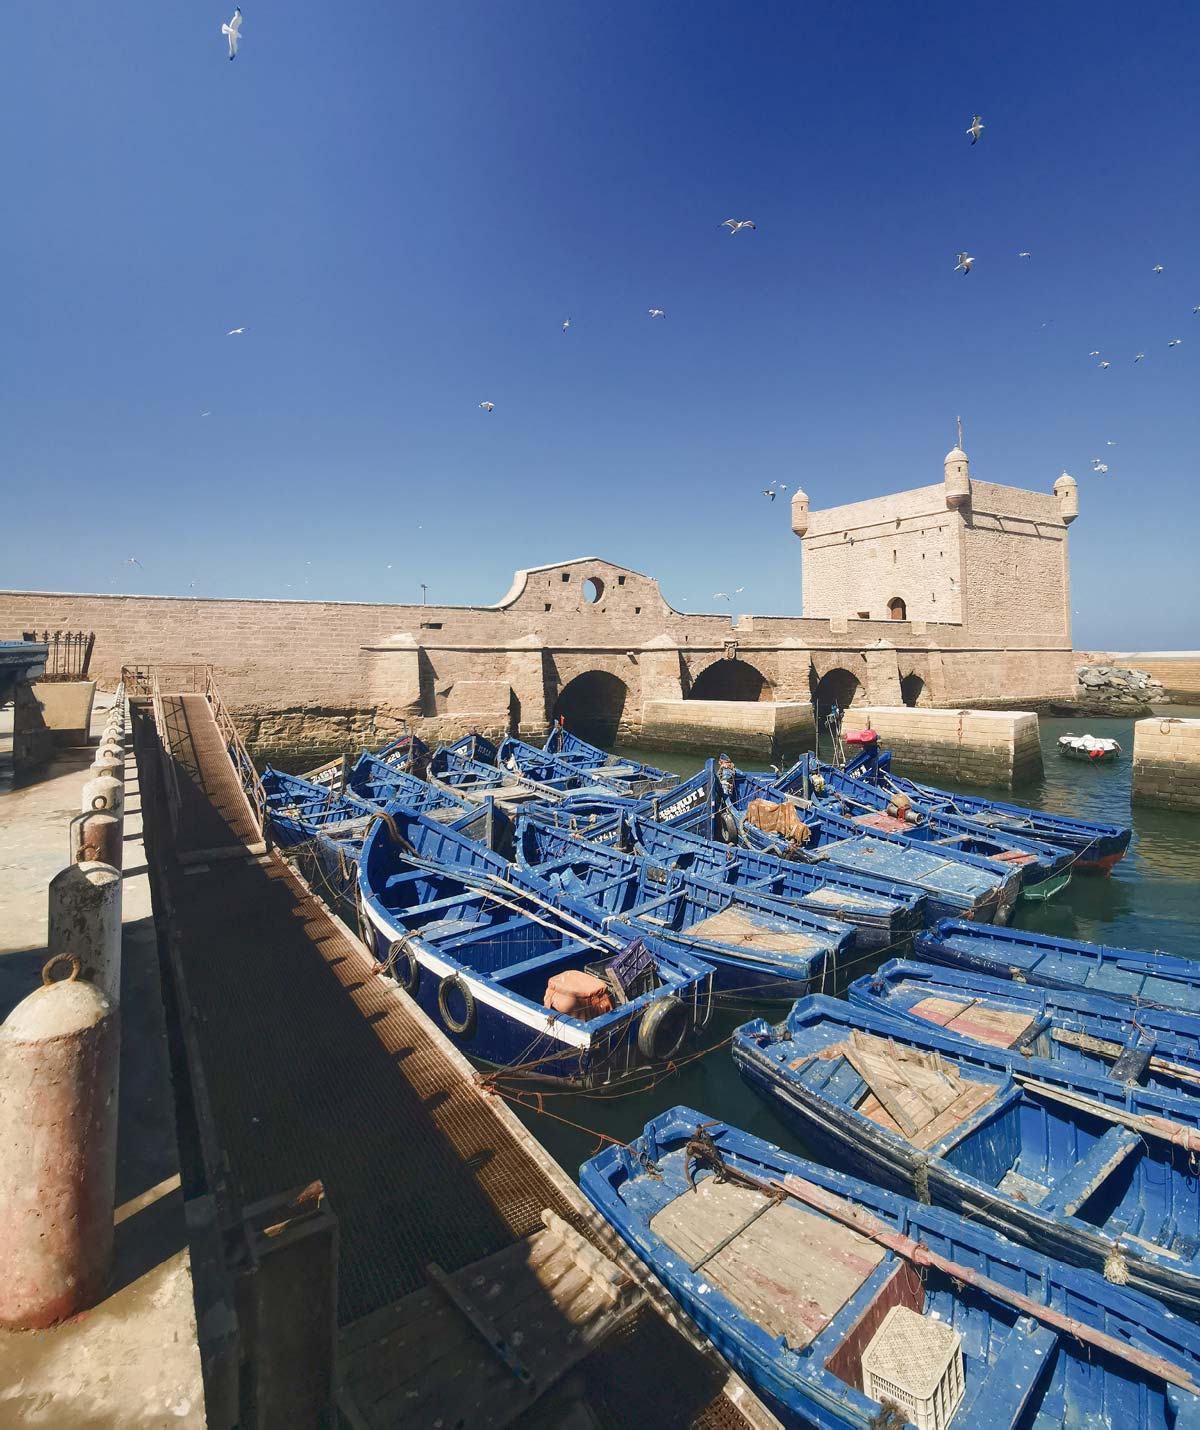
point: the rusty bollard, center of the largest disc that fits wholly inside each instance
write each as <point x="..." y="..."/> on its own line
<point x="85" y="915"/>
<point x="98" y="839"/>
<point x="59" y="1052"/>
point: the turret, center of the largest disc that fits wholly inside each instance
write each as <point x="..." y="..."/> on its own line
<point x="799" y="512"/>
<point x="958" y="479"/>
<point x="1066" y="489"/>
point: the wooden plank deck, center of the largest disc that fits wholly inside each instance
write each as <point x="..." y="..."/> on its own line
<point x="789" y="1270"/>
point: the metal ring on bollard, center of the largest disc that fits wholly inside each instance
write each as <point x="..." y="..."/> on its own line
<point x="72" y="959"/>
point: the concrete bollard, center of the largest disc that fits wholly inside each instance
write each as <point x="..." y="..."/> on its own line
<point x="59" y="1054"/>
<point x="99" y="839"/>
<point x="108" y="766"/>
<point x="85" y="916"/>
<point x="103" y="792"/>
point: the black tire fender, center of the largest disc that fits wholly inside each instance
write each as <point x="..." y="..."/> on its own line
<point x="663" y="1028"/>
<point x="405" y="968"/>
<point x="465" y="1027"/>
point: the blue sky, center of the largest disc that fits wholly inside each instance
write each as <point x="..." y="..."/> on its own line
<point x="402" y="203"/>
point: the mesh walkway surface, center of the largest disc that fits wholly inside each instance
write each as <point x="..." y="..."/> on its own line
<point x="214" y="815"/>
<point x="315" y="1069"/>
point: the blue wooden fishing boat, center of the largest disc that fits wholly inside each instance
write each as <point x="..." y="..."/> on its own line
<point x="1084" y="1032"/>
<point x="455" y="772"/>
<point x="483" y="957"/>
<point x="407" y="753"/>
<point x="792" y="1270"/>
<point x="871" y="807"/>
<point x="755" y="943"/>
<point x="1133" y="975"/>
<point x="1078" y="1166"/>
<point x="883" y="911"/>
<point x="561" y="743"/>
<point x="383" y="784"/>
<point x="298" y="809"/>
<point x="1094" y="845"/>
<point x="568" y="779"/>
<point x="954" y="883"/>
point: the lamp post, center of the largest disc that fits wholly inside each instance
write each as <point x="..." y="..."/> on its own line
<point x="424" y="588"/>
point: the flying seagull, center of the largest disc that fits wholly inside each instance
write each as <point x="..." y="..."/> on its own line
<point x="1109" y="442"/>
<point x="976" y="129"/>
<point x="770" y="492"/>
<point x="233" y="32"/>
<point x="132" y="561"/>
<point x="233" y="332"/>
<point x="737" y="590"/>
<point x="1024" y="255"/>
<point x="1099" y="468"/>
<point x="964" y="262"/>
<point x="1174" y="343"/>
<point x="1196" y="309"/>
<point x="487" y="406"/>
<point x="783" y="486"/>
<point x="206" y="414"/>
<point x="1158" y="268"/>
<point x="656" y="312"/>
<point x="566" y="324"/>
<point x="1104" y="364"/>
<point x="735" y="225"/>
<point x="1095" y="352"/>
<point x="1139" y="357"/>
<point x="720" y="595"/>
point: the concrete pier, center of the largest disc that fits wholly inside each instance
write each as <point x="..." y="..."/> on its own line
<point x="970" y="747"/>
<point x="761" y="727"/>
<point x="1166" y="763"/>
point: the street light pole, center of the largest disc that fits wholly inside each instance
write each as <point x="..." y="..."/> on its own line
<point x="424" y="588"/>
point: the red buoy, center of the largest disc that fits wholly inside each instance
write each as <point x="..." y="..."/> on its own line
<point x="59" y="1053"/>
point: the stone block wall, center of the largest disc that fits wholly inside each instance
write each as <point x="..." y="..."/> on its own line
<point x="965" y="747"/>
<point x="758" y="727"/>
<point x="1166" y="763"/>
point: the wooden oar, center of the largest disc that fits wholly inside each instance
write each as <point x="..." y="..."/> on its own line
<point x="1147" y="1124"/>
<point x="919" y="1254"/>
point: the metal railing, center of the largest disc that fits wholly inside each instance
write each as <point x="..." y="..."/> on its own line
<point x="183" y="678"/>
<point x="68" y="653"/>
<point x="166" y="755"/>
<point x="247" y="774"/>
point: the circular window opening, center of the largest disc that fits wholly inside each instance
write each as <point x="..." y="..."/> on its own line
<point x="593" y="589"/>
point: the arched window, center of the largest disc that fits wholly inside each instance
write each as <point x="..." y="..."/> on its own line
<point x="897" y="611"/>
<point x="911" y="688"/>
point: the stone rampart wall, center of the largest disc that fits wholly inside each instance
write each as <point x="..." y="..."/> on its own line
<point x="970" y="747"/>
<point x="1166" y="763"/>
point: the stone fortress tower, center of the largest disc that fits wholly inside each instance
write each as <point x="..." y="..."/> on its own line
<point x="991" y="559"/>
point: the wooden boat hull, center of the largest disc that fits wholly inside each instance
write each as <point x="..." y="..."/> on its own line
<point x="1093" y="844"/>
<point x="1081" y="1032"/>
<point x="791" y="1294"/>
<point x="476" y="953"/>
<point x="1130" y="975"/>
<point x="1013" y="1124"/>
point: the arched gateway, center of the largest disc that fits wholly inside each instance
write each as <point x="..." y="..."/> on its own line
<point x="592" y="705"/>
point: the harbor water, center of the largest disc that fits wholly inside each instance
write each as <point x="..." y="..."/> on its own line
<point x="1150" y="900"/>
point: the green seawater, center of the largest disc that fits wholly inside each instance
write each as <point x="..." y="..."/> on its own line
<point x="1150" y="900"/>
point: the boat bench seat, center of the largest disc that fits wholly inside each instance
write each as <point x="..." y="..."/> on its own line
<point x="1071" y="1190"/>
<point x="1016" y="1372"/>
<point x="540" y="960"/>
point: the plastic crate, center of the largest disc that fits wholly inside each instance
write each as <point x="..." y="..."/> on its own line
<point x="917" y="1364"/>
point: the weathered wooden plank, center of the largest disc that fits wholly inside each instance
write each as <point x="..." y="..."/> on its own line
<point x="972" y="1097"/>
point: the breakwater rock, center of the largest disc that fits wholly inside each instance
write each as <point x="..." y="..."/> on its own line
<point x="1118" y="685"/>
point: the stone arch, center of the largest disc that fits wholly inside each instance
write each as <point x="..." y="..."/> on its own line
<point x="837" y="686"/>
<point x="730" y="680"/>
<point x="593" y="706"/>
<point x="897" y="610"/>
<point x="912" y="687"/>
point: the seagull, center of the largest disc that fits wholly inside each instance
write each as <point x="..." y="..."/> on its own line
<point x="206" y="414"/>
<point x="132" y="561"/>
<point x="1174" y="343"/>
<point x="769" y="492"/>
<point x="1104" y="364"/>
<point x="233" y="332"/>
<point x="1196" y="309"/>
<point x="1024" y="255"/>
<point x="737" y="590"/>
<point x="1095" y="352"/>
<point x="1139" y="357"/>
<point x="566" y="324"/>
<point x="976" y="129"/>
<point x="1099" y="468"/>
<point x="233" y="32"/>
<point x="1109" y="442"/>
<point x="487" y="406"/>
<point x="783" y="486"/>
<point x="964" y="262"/>
<point x="720" y="595"/>
<point x="656" y="312"/>
<point x="735" y="225"/>
<point x="1158" y="268"/>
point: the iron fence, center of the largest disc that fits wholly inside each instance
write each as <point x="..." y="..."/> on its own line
<point x="68" y="653"/>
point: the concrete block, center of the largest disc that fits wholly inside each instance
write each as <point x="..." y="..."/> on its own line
<point x="1166" y="763"/>
<point x="66" y="708"/>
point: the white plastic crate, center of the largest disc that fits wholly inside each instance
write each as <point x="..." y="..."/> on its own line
<point x="917" y="1363"/>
